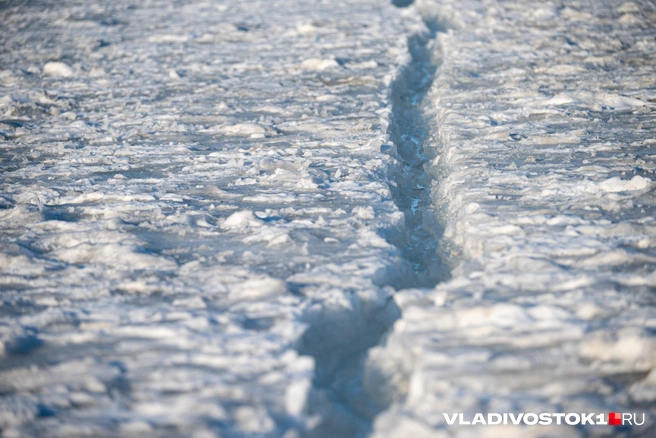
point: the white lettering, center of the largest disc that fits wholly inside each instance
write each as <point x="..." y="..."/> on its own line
<point x="573" y="422"/>
<point x="516" y="420"/>
<point x="533" y="421"/>
<point x="544" y="419"/>
<point x="587" y="419"/>
<point x="559" y="417"/>
<point x="497" y="421"/>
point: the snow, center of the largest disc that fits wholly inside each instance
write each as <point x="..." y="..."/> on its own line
<point x="542" y="159"/>
<point x="324" y="218"/>
<point x="183" y="201"/>
<point x="57" y="69"/>
<point x="314" y="64"/>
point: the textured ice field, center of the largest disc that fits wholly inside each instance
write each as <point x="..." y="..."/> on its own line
<point x="542" y="143"/>
<point x="227" y="218"/>
<point x="187" y="188"/>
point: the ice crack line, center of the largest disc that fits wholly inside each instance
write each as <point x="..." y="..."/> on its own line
<point x="409" y="133"/>
<point x="338" y="395"/>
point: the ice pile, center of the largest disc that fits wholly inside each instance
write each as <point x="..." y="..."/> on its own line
<point x="543" y="156"/>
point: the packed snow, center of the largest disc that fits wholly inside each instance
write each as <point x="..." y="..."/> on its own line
<point x="313" y="218"/>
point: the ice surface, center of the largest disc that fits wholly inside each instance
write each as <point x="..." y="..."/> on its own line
<point x="210" y="211"/>
<point x="542" y="157"/>
<point x="194" y="195"/>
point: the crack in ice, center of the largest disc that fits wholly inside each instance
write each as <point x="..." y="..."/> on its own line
<point x="339" y="372"/>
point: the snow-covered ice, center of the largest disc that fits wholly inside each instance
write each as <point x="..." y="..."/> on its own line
<point x="193" y="194"/>
<point x="226" y="218"/>
<point x="542" y="157"/>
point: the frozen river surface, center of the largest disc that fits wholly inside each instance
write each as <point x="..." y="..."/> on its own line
<point x="307" y="218"/>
